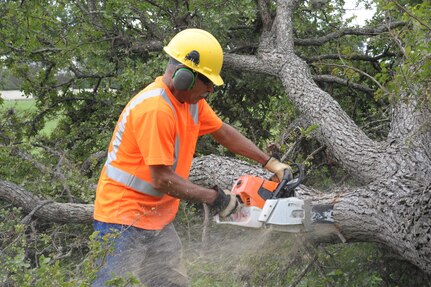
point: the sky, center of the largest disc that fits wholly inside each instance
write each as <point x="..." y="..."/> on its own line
<point x="359" y="11"/>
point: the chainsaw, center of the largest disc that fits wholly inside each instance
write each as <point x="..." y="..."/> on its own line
<point x="268" y="204"/>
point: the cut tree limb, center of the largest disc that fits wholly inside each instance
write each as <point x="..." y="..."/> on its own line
<point x="51" y="212"/>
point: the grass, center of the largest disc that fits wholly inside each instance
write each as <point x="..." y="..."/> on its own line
<point x="19" y="105"/>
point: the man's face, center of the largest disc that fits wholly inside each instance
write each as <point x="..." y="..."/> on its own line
<point x="201" y="89"/>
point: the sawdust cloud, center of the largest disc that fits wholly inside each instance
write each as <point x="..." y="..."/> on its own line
<point x="239" y="253"/>
<point x="233" y="253"/>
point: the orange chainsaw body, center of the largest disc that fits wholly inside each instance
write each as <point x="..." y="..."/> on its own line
<point x="253" y="190"/>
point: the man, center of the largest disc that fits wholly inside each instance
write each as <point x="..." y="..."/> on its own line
<point x="149" y="160"/>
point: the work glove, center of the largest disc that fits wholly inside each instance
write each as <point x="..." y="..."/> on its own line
<point x="278" y="168"/>
<point x="225" y="203"/>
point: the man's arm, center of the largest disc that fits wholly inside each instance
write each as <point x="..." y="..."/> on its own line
<point x="167" y="181"/>
<point x="234" y="141"/>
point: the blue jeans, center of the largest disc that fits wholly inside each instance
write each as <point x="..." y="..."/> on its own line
<point x="152" y="256"/>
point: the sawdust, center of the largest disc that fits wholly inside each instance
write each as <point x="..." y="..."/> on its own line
<point x="249" y="255"/>
<point x="235" y="253"/>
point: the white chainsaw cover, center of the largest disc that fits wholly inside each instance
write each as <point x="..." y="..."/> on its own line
<point x="283" y="214"/>
<point x="283" y="211"/>
<point x="246" y="216"/>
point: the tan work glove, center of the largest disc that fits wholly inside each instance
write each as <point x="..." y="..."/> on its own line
<point x="225" y="203"/>
<point x="278" y="168"/>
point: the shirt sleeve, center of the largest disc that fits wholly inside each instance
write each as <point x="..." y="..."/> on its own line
<point x="209" y="121"/>
<point x="155" y="136"/>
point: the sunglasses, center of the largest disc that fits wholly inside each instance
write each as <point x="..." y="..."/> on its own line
<point x="208" y="82"/>
<point x="204" y="79"/>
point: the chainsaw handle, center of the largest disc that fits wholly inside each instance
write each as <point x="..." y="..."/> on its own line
<point x="298" y="177"/>
<point x="290" y="181"/>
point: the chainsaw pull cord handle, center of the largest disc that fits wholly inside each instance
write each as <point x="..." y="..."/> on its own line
<point x="290" y="181"/>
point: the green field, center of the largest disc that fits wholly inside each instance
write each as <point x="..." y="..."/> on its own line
<point x="26" y="106"/>
<point x="19" y="105"/>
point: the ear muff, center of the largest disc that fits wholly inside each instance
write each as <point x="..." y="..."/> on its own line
<point x="184" y="79"/>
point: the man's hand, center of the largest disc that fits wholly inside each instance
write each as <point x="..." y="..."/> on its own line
<point x="225" y="202"/>
<point x="278" y="168"/>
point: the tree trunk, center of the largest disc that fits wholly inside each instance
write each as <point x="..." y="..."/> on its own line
<point x="393" y="207"/>
<point x="395" y="213"/>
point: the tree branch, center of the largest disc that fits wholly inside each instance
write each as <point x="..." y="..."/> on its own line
<point x="410" y="14"/>
<point x="47" y="211"/>
<point x="304" y="271"/>
<point x="362" y="73"/>
<point x="364" y="31"/>
<point x="355" y="57"/>
<point x="344" y="82"/>
<point x="284" y="25"/>
<point x="265" y="14"/>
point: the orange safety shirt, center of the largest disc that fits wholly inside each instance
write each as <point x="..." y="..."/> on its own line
<point x="153" y="129"/>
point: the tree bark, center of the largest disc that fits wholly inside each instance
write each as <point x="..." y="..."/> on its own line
<point x="395" y="212"/>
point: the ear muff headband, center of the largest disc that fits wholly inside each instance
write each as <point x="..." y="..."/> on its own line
<point x="184" y="79"/>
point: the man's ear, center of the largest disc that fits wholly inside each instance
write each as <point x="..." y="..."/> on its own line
<point x="183" y="79"/>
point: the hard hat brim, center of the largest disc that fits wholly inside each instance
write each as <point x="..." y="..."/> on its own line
<point x="216" y="79"/>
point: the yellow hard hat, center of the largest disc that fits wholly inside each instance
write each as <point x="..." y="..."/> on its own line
<point x="198" y="50"/>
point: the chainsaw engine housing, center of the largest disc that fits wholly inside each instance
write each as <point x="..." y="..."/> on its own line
<point x="268" y="204"/>
<point x="253" y="191"/>
<point x="258" y="207"/>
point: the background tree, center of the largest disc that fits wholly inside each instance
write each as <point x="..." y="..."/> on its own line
<point x="332" y="95"/>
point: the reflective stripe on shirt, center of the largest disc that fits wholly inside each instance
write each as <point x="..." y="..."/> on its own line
<point x="131" y="181"/>
<point x="194" y="112"/>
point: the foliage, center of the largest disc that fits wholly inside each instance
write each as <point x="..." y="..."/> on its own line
<point x="338" y="59"/>
<point x="252" y="106"/>
<point x="43" y="255"/>
<point x="39" y="254"/>
<point x="410" y="73"/>
<point x="24" y="108"/>
<point x="7" y="81"/>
